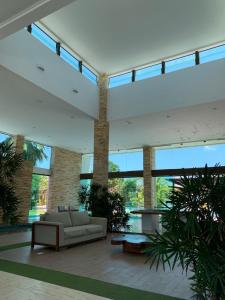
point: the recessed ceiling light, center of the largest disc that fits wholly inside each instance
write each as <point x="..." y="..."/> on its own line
<point x="75" y="91"/>
<point x="128" y="122"/>
<point x="41" y="68"/>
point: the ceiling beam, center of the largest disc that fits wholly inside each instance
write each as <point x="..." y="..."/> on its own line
<point x="29" y="14"/>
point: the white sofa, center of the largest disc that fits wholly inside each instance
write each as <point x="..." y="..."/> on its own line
<point x="67" y="228"/>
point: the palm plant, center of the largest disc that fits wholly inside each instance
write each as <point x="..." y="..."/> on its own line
<point x="194" y="232"/>
<point x="103" y="203"/>
<point x="10" y="163"/>
<point x="34" y="152"/>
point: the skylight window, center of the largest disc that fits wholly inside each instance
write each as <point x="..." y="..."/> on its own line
<point x="212" y="54"/>
<point x="148" y="72"/>
<point x="120" y="80"/>
<point x="43" y="37"/>
<point x="180" y="63"/>
<point x="70" y="59"/>
<point x="89" y="74"/>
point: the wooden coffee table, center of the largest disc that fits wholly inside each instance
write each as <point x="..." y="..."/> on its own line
<point x="132" y="243"/>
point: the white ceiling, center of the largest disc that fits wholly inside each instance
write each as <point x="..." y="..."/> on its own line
<point x="116" y="35"/>
<point x="28" y="110"/>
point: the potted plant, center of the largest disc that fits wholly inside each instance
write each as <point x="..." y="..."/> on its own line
<point x="103" y="203"/>
<point x="10" y="163"/>
<point x="194" y="232"/>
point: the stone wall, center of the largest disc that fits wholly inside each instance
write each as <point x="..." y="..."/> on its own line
<point x="101" y="135"/>
<point x="149" y="181"/>
<point x="64" y="181"/>
<point x="23" y="182"/>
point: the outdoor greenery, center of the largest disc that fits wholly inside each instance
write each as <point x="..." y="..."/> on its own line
<point x="10" y="163"/>
<point x="102" y="202"/>
<point x="34" y="152"/>
<point x="132" y="189"/>
<point x="194" y="232"/>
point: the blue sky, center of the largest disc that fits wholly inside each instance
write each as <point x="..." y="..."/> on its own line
<point x="184" y="157"/>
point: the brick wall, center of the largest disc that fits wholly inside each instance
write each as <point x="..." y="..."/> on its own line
<point x="64" y="181"/>
<point x="23" y="182"/>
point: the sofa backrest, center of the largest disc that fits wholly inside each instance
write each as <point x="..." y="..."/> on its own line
<point x="68" y="219"/>
<point x="79" y="218"/>
<point x="62" y="217"/>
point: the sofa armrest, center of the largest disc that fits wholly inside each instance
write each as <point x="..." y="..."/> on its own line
<point x="47" y="233"/>
<point x="100" y="221"/>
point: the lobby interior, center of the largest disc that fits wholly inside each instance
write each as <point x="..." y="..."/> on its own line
<point x="126" y="94"/>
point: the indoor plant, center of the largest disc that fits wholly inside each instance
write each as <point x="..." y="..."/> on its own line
<point x="102" y="203"/>
<point x="194" y="232"/>
<point x="10" y="163"/>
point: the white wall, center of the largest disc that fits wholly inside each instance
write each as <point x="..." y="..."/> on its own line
<point x="21" y="53"/>
<point x="196" y="85"/>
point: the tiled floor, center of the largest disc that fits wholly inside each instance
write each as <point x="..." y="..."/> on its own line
<point x="14" y="238"/>
<point x="14" y="287"/>
<point x="100" y="260"/>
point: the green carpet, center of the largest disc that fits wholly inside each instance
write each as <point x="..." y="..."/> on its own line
<point x="88" y="285"/>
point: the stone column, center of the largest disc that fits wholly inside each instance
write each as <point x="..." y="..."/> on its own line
<point x="101" y="135"/>
<point x="149" y="181"/>
<point x="64" y="182"/>
<point x="23" y="181"/>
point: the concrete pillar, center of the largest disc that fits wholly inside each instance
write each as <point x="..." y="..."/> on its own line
<point x="64" y="182"/>
<point x="149" y="181"/>
<point x="101" y="136"/>
<point x="23" y="181"/>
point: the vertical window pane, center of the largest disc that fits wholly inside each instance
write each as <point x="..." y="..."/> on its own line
<point x="126" y="161"/>
<point x="87" y="163"/>
<point x="132" y="190"/>
<point x="89" y="74"/>
<point x="120" y="80"/>
<point x="212" y="54"/>
<point x="38" y="153"/>
<point x="39" y="196"/>
<point x="148" y="72"/>
<point x="180" y="63"/>
<point x="70" y="59"/>
<point x="43" y="37"/>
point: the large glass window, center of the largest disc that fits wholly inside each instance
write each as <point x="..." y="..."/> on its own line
<point x="119" y="80"/>
<point x="38" y="153"/>
<point x="70" y="59"/>
<point x="43" y="37"/>
<point x="212" y="54"/>
<point x="39" y="196"/>
<point x="190" y="157"/>
<point x="87" y="163"/>
<point x="180" y="63"/>
<point x="132" y="190"/>
<point x="126" y="161"/>
<point x="163" y="186"/>
<point x="89" y="74"/>
<point x="148" y="72"/>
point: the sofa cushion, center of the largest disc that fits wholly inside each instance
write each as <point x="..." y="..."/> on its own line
<point x="91" y="229"/>
<point x="79" y="218"/>
<point x="62" y="217"/>
<point x="73" y="232"/>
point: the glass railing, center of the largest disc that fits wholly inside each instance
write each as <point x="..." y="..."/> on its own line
<point x="56" y="47"/>
<point x="169" y="66"/>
